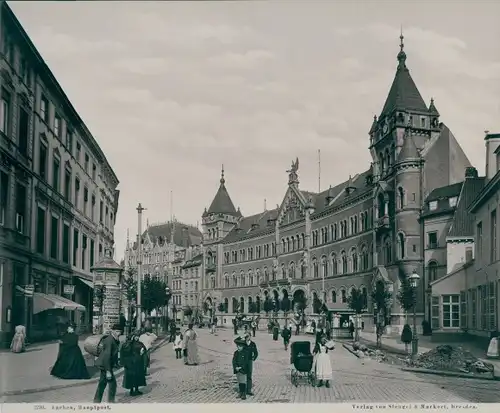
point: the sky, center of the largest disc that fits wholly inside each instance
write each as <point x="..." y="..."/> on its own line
<point x="173" y="90"/>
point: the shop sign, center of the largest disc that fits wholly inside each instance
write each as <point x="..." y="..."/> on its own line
<point x="69" y="289"/>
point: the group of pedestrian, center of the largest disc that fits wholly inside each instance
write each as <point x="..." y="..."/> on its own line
<point x="243" y="358"/>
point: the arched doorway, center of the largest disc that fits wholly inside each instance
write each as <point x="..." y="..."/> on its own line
<point x="299" y="300"/>
<point x="250" y="306"/>
<point x="257" y="304"/>
<point x="226" y="305"/>
<point x="208" y="306"/>
<point x="286" y="304"/>
<point x="242" y="305"/>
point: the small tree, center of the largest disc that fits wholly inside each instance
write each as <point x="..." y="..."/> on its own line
<point x="286" y="305"/>
<point x="252" y="308"/>
<point x="406" y="294"/>
<point x="406" y="336"/>
<point x="316" y="305"/>
<point x="221" y="308"/>
<point x="129" y="287"/>
<point x="381" y="301"/>
<point x="154" y="296"/>
<point x="357" y="302"/>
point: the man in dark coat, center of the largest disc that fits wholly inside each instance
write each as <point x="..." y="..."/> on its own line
<point x="252" y="352"/>
<point x="106" y="362"/>
<point x="235" y="326"/>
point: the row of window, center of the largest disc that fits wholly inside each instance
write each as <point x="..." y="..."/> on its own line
<point x="474" y="309"/>
<point x="493" y="239"/>
<point x="20" y="223"/>
<point x="59" y="247"/>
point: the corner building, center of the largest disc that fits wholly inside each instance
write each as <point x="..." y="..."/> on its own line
<point x="58" y="196"/>
<point x="363" y="231"/>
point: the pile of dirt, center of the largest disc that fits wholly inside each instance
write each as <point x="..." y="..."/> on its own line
<point x="450" y="358"/>
<point x="363" y="351"/>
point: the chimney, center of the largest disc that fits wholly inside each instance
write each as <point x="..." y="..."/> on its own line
<point x="471" y="172"/>
<point x="492" y="141"/>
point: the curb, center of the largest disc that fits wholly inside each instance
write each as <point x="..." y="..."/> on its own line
<point x="118" y="373"/>
<point x="350" y="350"/>
<point x="449" y="373"/>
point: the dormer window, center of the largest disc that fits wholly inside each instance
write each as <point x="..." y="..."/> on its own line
<point x="433" y="205"/>
<point x="453" y="201"/>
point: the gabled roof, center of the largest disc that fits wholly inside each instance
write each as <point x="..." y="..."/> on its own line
<point x="403" y="94"/>
<point x="184" y="235"/>
<point x="253" y="225"/>
<point x="463" y="223"/>
<point x="222" y="203"/>
<point x="442" y="196"/>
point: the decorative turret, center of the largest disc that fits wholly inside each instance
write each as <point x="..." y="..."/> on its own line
<point x="222" y="203"/>
<point x="330" y="196"/>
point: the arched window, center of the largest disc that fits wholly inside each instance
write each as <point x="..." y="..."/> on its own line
<point x="242" y="305"/>
<point x="354" y="258"/>
<point x="288" y="244"/>
<point x="303" y="270"/>
<point x="266" y="275"/>
<point x="361" y="222"/>
<point x="250" y="277"/>
<point x="343" y="296"/>
<point x="226" y="280"/>
<point x="381" y="205"/>
<point x="388" y="251"/>
<point x="355" y="229"/>
<point x="432" y="271"/>
<point x="212" y="282"/>
<point x="226" y="305"/>
<point x="335" y="231"/>
<point x="235" y="305"/>
<point x="235" y="280"/>
<point x="242" y="279"/>
<point x="257" y="276"/>
<point x="315" y="268"/>
<point x="401" y="198"/>
<point x="303" y="241"/>
<point x="294" y="246"/>
<point x="298" y="241"/>
<point x="249" y="305"/>
<point x="292" y="270"/>
<point x="324" y="266"/>
<point x="283" y="245"/>
<point x="334" y="296"/>
<point x="283" y="272"/>
<point x="364" y="258"/>
<point x="333" y="259"/>
<point x="257" y="304"/>
<point x="401" y="245"/>
<point x="343" y="257"/>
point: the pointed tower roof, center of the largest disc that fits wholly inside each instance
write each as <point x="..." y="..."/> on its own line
<point x="409" y="150"/>
<point x="403" y="94"/>
<point x="222" y="203"/>
<point x="432" y="108"/>
<point x="374" y="124"/>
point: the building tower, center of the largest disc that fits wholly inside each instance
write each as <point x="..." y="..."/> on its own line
<point x="220" y="218"/>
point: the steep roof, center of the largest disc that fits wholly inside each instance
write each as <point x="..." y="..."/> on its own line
<point x="442" y="196"/>
<point x="253" y="225"/>
<point x="403" y="94"/>
<point x="222" y="203"/>
<point x="409" y="150"/>
<point x="463" y="224"/>
<point x="184" y="235"/>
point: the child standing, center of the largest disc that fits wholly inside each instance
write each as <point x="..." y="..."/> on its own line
<point x="178" y="343"/>
<point x="322" y="364"/>
<point x="240" y="366"/>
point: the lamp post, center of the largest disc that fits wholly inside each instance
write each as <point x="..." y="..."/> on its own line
<point x="168" y="295"/>
<point x="414" y="279"/>
<point x="140" y="209"/>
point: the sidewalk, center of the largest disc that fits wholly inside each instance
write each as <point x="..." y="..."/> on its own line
<point x="425" y="344"/>
<point x="29" y="372"/>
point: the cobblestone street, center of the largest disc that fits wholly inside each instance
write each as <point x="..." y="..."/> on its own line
<point x="213" y="382"/>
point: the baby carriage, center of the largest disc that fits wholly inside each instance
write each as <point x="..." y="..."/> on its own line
<point x="302" y="360"/>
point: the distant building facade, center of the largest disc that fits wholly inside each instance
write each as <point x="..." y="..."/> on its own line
<point x="172" y="252"/>
<point x="363" y="231"/>
<point x="58" y="199"/>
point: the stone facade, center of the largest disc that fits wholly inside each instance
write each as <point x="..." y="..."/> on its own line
<point x="59" y="198"/>
<point x="364" y="230"/>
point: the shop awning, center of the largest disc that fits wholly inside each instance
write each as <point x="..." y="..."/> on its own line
<point x="43" y="302"/>
<point x="89" y="284"/>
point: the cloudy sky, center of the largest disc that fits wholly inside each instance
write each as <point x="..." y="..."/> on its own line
<point x="173" y="90"/>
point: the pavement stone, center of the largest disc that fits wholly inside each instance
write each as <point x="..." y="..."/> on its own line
<point x="355" y="380"/>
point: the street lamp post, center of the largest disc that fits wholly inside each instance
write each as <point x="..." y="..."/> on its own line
<point x="138" y="314"/>
<point x="414" y="279"/>
<point x="168" y="295"/>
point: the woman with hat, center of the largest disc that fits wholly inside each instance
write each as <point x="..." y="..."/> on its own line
<point x="132" y="355"/>
<point x="321" y="364"/>
<point x="70" y="364"/>
<point x="240" y="366"/>
<point x="190" y="347"/>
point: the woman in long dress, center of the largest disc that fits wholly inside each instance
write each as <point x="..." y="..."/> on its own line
<point x="70" y="364"/>
<point x="321" y="364"/>
<point x="18" y="344"/>
<point x="132" y="357"/>
<point x="190" y="346"/>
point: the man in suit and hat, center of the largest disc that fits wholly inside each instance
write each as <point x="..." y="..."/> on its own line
<point x="107" y="361"/>
<point x="240" y="366"/>
<point x="251" y="349"/>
